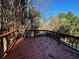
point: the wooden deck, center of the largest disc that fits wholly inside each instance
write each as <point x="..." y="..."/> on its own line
<point x="39" y="48"/>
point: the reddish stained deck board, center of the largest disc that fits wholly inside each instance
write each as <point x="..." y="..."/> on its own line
<point x="39" y="48"/>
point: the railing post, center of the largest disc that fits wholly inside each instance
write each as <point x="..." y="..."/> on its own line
<point x="76" y="44"/>
<point x="1" y="47"/>
<point x="46" y="32"/>
<point x="34" y="33"/>
<point x="58" y="38"/>
<point x="4" y="44"/>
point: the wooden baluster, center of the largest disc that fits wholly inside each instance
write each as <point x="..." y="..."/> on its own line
<point x="1" y="47"/>
<point x="58" y="36"/>
<point x="76" y="44"/>
<point x="11" y="38"/>
<point x="4" y="44"/>
<point x="73" y="42"/>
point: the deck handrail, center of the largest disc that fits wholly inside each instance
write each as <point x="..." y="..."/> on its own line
<point x="67" y="35"/>
<point x="7" y="33"/>
<point x="59" y="33"/>
<point x="66" y="39"/>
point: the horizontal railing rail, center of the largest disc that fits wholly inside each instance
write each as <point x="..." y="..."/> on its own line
<point x="68" y="40"/>
<point x="8" y="33"/>
<point x="35" y="33"/>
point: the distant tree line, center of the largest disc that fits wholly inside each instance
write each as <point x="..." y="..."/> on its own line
<point x="66" y="23"/>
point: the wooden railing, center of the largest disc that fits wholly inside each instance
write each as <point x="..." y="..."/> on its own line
<point x="7" y="40"/>
<point x="68" y="40"/>
<point x="35" y="33"/>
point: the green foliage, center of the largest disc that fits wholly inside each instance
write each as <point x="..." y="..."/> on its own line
<point x="61" y="15"/>
<point x="70" y="15"/>
<point x="34" y="12"/>
<point x="69" y="24"/>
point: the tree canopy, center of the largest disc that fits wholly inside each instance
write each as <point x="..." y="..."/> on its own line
<point x="69" y="23"/>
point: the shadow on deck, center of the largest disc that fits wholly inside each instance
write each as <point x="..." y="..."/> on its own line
<point x="40" y="48"/>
